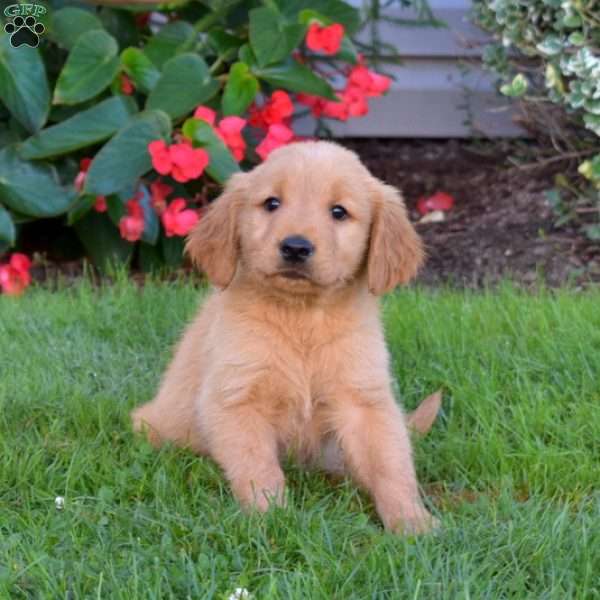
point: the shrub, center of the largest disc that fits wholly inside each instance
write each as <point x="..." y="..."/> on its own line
<point x="549" y="50"/>
<point x="125" y="129"/>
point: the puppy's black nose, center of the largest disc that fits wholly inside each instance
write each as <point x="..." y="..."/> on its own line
<point x="296" y="249"/>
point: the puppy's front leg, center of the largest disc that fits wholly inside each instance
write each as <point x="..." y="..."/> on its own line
<point x="376" y="447"/>
<point x="244" y="444"/>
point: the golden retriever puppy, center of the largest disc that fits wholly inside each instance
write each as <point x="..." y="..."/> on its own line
<point x="288" y="354"/>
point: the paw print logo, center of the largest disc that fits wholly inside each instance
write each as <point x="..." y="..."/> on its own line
<point x="24" y="32"/>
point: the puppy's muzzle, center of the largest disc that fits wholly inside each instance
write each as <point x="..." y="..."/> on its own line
<point x="296" y="249"/>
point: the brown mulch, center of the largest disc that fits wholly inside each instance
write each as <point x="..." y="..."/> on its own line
<point x="501" y="225"/>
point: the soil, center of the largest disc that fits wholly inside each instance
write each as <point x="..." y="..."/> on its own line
<point x="501" y="226"/>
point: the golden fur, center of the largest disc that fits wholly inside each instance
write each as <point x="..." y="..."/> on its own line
<point x="272" y="364"/>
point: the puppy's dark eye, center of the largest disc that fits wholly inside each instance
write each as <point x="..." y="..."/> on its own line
<point x="272" y="204"/>
<point x="339" y="213"/>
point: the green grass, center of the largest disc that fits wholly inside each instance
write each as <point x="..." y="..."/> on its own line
<point x="512" y="466"/>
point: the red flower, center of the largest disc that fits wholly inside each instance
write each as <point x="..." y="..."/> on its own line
<point x="161" y="159"/>
<point x="159" y="192"/>
<point x="369" y="82"/>
<point x="100" y="204"/>
<point x="352" y="102"/>
<point x="356" y="102"/>
<point x="230" y="131"/>
<point x="255" y="117"/>
<point x="178" y="220"/>
<point x="277" y="109"/>
<point x="127" y="86"/>
<point x="336" y="110"/>
<point x="14" y="275"/>
<point x="181" y="161"/>
<point x="439" y="201"/>
<point x="188" y="163"/>
<point x="206" y="114"/>
<point x="84" y="167"/>
<point x="277" y="135"/>
<point x="325" y="39"/>
<point x="131" y="226"/>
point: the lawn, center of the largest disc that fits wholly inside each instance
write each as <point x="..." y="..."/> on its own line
<point x="512" y="466"/>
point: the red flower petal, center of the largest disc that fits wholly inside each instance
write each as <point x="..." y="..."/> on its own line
<point x="14" y="276"/>
<point x="20" y="262"/>
<point x="206" y="114"/>
<point x="325" y="39"/>
<point x="177" y="220"/>
<point x="438" y="201"/>
<point x="127" y="86"/>
<point x="277" y="135"/>
<point x="230" y="131"/>
<point x="100" y="204"/>
<point x="161" y="158"/>
<point x="188" y="163"/>
<point x="159" y="192"/>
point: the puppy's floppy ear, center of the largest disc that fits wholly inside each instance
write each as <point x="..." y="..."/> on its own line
<point x="213" y="244"/>
<point x="395" y="250"/>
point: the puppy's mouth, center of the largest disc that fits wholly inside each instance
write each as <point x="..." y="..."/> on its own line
<point x="292" y="274"/>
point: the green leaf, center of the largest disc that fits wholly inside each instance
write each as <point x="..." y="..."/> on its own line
<point x="123" y="159"/>
<point x="335" y="11"/>
<point x="32" y="188"/>
<point x="102" y="241"/>
<point x="572" y="21"/>
<point x="223" y="42"/>
<point x="84" y="129"/>
<point x="140" y="68"/>
<point x="270" y="37"/>
<point x="295" y="77"/>
<point x="240" y="90"/>
<point x="517" y="87"/>
<point x="91" y="66"/>
<point x="246" y="55"/>
<point x="120" y="23"/>
<point x="168" y="41"/>
<point x="577" y="38"/>
<point x="590" y="169"/>
<point x="222" y="164"/>
<point x="69" y="23"/>
<point x="8" y="233"/>
<point x="82" y="206"/>
<point x="551" y="45"/>
<point x="592" y="232"/>
<point x="184" y="84"/>
<point x="115" y="205"/>
<point x="23" y="84"/>
<point x="347" y="51"/>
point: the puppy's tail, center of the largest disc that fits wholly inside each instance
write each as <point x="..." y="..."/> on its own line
<point x="421" y="419"/>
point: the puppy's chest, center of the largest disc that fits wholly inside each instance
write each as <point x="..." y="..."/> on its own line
<point x="303" y="377"/>
<point x="302" y="361"/>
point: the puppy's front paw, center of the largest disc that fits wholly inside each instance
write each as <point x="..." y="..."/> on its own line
<point x="260" y="493"/>
<point x="422" y="521"/>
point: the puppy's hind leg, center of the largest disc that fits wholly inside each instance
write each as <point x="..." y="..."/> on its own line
<point x="171" y="416"/>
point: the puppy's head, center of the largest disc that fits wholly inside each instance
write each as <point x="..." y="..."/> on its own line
<point x="309" y="218"/>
